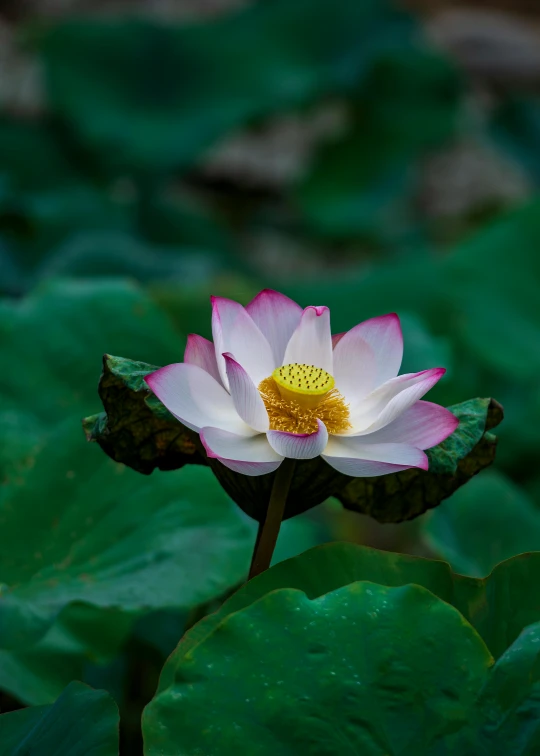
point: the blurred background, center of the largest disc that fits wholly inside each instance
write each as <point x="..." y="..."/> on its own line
<point x="372" y="156"/>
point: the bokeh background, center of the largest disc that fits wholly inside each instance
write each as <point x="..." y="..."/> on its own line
<point x="371" y="156"/>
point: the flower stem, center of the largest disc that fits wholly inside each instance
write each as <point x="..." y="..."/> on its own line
<point x="269" y="527"/>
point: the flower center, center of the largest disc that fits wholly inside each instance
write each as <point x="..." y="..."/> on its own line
<point x="304" y="384"/>
<point x="296" y="395"/>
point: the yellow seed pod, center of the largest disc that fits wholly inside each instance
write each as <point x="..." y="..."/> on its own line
<point x="306" y="385"/>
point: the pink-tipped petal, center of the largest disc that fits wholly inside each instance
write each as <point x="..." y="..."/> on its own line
<point x="423" y="425"/>
<point x="251" y="455"/>
<point x="389" y="401"/>
<point x="299" y="445"/>
<point x="367" y="356"/>
<point x="235" y="332"/>
<point x="350" y="457"/>
<point x="246" y="398"/>
<point x="277" y="317"/>
<point x="195" y="398"/>
<point x="201" y="352"/>
<point x="311" y="343"/>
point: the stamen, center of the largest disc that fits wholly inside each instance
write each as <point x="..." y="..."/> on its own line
<point x="288" y="415"/>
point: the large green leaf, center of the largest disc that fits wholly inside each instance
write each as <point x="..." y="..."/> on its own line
<point x="485" y="522"/>
<point x="154" y="95"/>
<point x="81" y="634"/>
<point x="363" y="669"/>
<point x="77" y="527"/>
<point x="507" y="710"/>
<point x="499" y="607"/>
<point x="137" y="430"/>
<point x="51" y="341"/>
<point x="81" y="722"/>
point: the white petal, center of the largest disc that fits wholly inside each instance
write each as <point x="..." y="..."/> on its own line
<point x="251" y="469"/>
<point x="195" y="398"/>
<point x="277" y="317"/>
<point x="201" y="352"/>
<point x="299" y="445"/>
<point x="251" y="455"/>
<point x="349" y="456"/>
<point x="234" y="331"/>
<point x="389" y="401"/>
<point x="246" y="398"/>
<point x="311" y="343"/>
<point x="423" y="425"/>
<point x="367" y="356"/>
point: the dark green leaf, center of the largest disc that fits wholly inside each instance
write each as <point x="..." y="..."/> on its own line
<point x="499" y="607"/>
<point x="506" y="717"/>
<point x="136" y="429"/>
<point x="81" y="722"/>
<point x="51" y="341"/>
<point x="80" y="635"/>
<point x="363" y="669"/>
<point x="485" y="522"/>
<point x="112" y="540"/>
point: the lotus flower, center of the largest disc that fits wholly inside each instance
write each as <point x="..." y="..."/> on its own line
<point x="276" y="384"/>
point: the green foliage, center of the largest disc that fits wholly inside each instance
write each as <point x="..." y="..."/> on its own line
<point x="499" y="607"/>
<point x="434" y="661"/>
<point x="82" y="721"/>
<point x="101" y="569"/>
<point x="97" y="533"/>
<point x="364" y="184"/>
<point x="156" y="95"/>
<point x="486" y="522"/>
<point x="516" y="127"/>
<point x="53" y="338"/>
<point x="319" y="685"/>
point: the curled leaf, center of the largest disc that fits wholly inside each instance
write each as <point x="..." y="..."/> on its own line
<point x="135" y="428"/>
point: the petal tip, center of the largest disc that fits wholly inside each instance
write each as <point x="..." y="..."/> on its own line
<point x="318" y="309"/>
<point x="152" y="378"/>
<point x="424" y="465"/>
<point x="208" y="450"/>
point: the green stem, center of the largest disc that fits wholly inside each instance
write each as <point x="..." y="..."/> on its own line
<point x="269" y="528"/>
